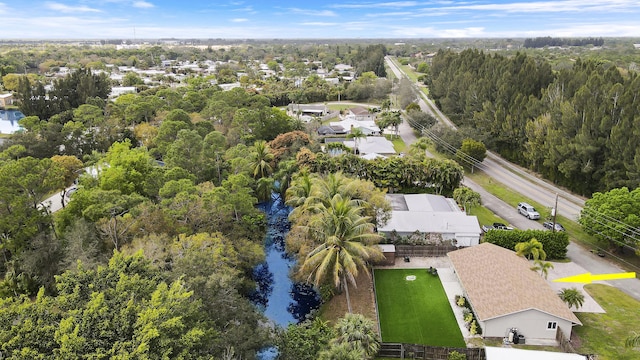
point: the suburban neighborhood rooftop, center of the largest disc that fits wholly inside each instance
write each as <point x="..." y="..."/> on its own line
<point x="498" y="282"/>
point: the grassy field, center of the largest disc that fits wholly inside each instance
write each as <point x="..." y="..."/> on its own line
<point x="604" y="334"/>
<point x="416" y="312"/>
<point x="485" y="216"/>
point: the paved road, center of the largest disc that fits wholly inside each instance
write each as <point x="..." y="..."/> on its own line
<point x="512" y="176"/>
<point x="523" y="182"/>
<point x="54" y="203"/>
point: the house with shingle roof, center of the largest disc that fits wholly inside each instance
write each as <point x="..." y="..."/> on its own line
<point x="505" y="293"/>
<point x="361" y="113"/>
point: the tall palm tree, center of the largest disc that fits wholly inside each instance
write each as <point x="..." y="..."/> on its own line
<point x="633" y="340"/>
<point x="262" y="158"/>
<point x="347" y="245"/>
<point x="359" y="332"/>
<point x="356" y="134"/>
<point x="543" y="267"/>
<point x="300" y="189"/>
<point x="531" y="249"/>
<point x="572" y="297"/>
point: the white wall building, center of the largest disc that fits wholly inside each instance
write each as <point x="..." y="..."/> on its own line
<point x="431" y="214"/>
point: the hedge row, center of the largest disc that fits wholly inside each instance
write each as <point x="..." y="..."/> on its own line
<point x="553" y="243"/>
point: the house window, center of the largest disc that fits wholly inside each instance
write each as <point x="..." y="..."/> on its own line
<point x="552" y="325"/>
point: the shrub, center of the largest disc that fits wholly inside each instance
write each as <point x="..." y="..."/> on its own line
<point x="454" y="355"/>
<point x="461" y="301"/>
<point x="473" y="329"/>
<point x="554" y="243"/>
<point x="468" y="317"/>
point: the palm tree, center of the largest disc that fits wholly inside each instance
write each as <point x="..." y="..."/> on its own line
<point x="543" y="267"/>
<point x="356" y="135"/>
<point x="359" y="332"/>
<point x="341" y="352"/>
<point x="262" y="158"/>
<point x="347" y="244"/>
<point x="531" y="248"/>
<point x="264" y="188"/>
<point x="572" y="297"/>
<point x="633" y="340"/>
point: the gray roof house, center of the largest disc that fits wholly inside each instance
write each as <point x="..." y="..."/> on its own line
<point x="306" y="109"/>
<point x="361" y="113"/>
<point x="431" y="214"/>
<point x="505" y="293"/>
<point x="331" y="130"/>
<point x="373" y="145"/>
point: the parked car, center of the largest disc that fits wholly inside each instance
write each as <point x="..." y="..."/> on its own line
<point x="528" y="211"/>
<point x="496" y="226"/>
<point x="549" y="225"/>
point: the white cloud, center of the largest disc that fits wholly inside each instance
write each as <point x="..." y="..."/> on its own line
<point x="244" y="9"/>
<point x="389" y="14"/>
<point x="318" y="23"/>
<point x="548" y="6"/>
<point x="3" y="8"/>
<point x="432" y="32"/>
<point x="313" y="12"/>
<point x="238" y="20"/>
<point x="69" y="9"/>
<point x="143" y="4"/>
<point x="392" y="4"/>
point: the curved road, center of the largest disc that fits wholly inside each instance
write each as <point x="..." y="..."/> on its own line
<point x="521" y="181"/>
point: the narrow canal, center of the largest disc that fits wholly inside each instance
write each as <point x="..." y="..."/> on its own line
<point x="283" y="301"/>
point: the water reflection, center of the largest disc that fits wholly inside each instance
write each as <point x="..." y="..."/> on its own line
<point x="9" y="121"/>
<point x="283" y="301"/>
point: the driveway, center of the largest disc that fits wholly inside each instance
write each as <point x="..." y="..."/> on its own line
<point x="561" y="270"/>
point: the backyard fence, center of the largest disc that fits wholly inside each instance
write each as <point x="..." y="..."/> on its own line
<point x="423" y="250"/>
<point x="425" y="352"/>
<point x="565" y="344"/>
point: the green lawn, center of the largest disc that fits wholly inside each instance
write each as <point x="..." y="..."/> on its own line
<point x="604" y="334"/>
<point x="398" y="143"/>
<point x="415" y="312"/>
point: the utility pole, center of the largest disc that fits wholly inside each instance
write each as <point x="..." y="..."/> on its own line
<point x="554" y="212"/>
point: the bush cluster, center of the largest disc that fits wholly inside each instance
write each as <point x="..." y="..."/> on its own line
<point x="554" y="243"/>
<point x="468" y="316"/>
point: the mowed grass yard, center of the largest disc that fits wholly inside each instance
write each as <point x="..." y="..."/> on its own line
<point x="415" y="312"/>
<point x="605" y="334"/>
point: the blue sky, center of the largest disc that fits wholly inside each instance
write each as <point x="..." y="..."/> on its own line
<point x="105" y="19"/>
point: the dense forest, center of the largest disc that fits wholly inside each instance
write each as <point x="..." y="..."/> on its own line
<point x="154" y="254"/>
<point x="575" y="126"/>
<point x="549" y="41"/>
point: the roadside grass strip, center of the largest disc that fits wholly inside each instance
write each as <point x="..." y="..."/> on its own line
<point x="415" y="310"/>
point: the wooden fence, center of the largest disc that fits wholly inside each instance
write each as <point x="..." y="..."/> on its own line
<point x="423" y="250"/>
<point x="425" y="352"/>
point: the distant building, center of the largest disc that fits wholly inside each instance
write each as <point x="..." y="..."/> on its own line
<point x="121" y="90"/>
<point x="306" y="109"/>
<point x="362" y="114"/>
<point x="331" y="130"/>
<point x="378" y="145"/>
<point x="6" y="100"/>
<point x="367" y="127"/>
